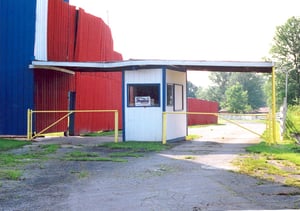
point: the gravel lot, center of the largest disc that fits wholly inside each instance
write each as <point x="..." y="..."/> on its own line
<point x="192" y="175"/>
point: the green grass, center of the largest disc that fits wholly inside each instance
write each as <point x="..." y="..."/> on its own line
<point x="80" y="174"/>
<point x="125" y="154"/>
<point x="101" y="133"/>
<point x="89" y="156"/>
<point x="292" y="122"/>
<point x="77" y="154"/>
<point x="8" y="144"/>
<point x="50" y="148"/>
<point x="125" y="149"/>
<point x="260" y="167"/>
<point x="137" y="146"/>
<point x="11" y="163"/>
<point x="11" y="174"/>
<point x="271" y="162"/>
<point x="285" y="151"/>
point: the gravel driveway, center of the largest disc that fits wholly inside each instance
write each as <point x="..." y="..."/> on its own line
<point x="193" y="175"/>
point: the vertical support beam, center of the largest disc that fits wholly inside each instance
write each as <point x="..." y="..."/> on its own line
<point x="116" y="125"/>
<point x="273" y="106"/>
<point x="29" y="124"/>
<point x="164" y="127"/>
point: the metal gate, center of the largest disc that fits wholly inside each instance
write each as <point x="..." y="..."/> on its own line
<point x="68" y="113"/>
<point x="271" y="132"/>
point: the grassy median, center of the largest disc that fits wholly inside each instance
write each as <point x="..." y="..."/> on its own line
<point x="278" y="162"/>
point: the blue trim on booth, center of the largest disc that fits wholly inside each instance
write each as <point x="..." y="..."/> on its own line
<point x="164" y="83"/>
<point x="186" y="103"/>
<point x="123" y="107"/>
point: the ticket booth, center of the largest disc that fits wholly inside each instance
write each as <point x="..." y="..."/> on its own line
<point x="152" y="87"/>
<point x="147" y="93"/>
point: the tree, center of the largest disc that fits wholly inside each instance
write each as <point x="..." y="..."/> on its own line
<point x="192" y="89"/>
<point x="285" y="52"/>
<point x="221" y="81"/>
<point x="211" y="93"/>
<point x="236" y="99"/>
<point x="252" y="83"/>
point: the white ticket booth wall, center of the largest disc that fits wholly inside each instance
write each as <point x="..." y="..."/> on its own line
<point x="147" y="94"/>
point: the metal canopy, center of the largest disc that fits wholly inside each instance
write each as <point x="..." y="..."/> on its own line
<point x="184" y="65"/>
<point x="198" y="65"/>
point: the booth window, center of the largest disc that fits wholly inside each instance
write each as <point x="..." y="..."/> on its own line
<point x="170" y="94"/>
<point x="178" y="99"/>
<point x="142" y="95"/>
<point x="175" y="96"/>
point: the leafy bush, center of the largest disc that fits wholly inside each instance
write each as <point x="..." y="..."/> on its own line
<point x="293" y="122"/>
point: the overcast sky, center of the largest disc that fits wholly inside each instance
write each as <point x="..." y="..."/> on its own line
<point x="192" y="29"/>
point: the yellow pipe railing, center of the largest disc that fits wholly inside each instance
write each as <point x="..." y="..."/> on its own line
<point x="274" y="137"/>
<point x="164" y="121"/>
<point x="29" y="124"/>
<point x="69" y="112"/>
<point x="164" y="128"/>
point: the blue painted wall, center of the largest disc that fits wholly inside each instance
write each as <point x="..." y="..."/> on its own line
<point x="17" y="33"/>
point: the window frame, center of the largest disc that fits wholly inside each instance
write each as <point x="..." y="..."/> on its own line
<point x="131" y="103"/>
<point x="170" y="96"/>
<point x="178" y="103"/>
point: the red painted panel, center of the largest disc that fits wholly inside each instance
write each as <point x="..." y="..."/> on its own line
<point x="51" y="93"/>
<point x="197" y="105"/>
<point x="82" y="38"/>
<point x="98" y="91"/>
<point x="61" y="31"/>
<point x="93" y="42"/>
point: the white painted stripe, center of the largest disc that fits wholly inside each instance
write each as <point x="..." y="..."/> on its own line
<point x="40" y="45"/>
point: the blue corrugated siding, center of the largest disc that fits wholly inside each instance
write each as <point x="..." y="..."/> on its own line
<point x="17" y="25"/>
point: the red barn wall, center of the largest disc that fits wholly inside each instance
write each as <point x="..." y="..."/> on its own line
<point x="52" y="87"/>
<point x="78" y="36"/>
<point x="101" y="90"/>
<point x="197" y="105"/>
<point x="51" y="93"/>
<point x="61" y="31"/>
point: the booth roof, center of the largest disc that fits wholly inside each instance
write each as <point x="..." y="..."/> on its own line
<point x="184" y="65"/>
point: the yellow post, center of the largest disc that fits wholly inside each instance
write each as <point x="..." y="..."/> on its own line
<point x="164" y="128"/>
<point x="274" y="106"/>
<point x="269" y="129"/>
<point x="29" y="124"/>
<point x="116" y="125"/>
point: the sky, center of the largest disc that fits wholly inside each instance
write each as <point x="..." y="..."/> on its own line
<point x="235" y="30"/>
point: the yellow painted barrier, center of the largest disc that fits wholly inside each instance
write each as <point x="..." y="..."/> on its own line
<point x="274" y="107"/>
<point x="116" y="125"/>
<point x="29" y="124"/>
<point x="164" y="121"/>
<point x="164" y="128"/>
<point x="30" y="113"/>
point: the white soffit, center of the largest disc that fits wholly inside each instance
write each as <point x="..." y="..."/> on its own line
<point x="226" y="66"/>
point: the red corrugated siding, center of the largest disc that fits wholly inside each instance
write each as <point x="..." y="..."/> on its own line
<point x="93" y="40"/>
<point x="61" y="31"/>
<point x="51" y="93"/>
<point x="197" y="105"/>
<point x="96" y="90"/>
<point x="88" y="39"/>
<point x="51" y="87"/>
